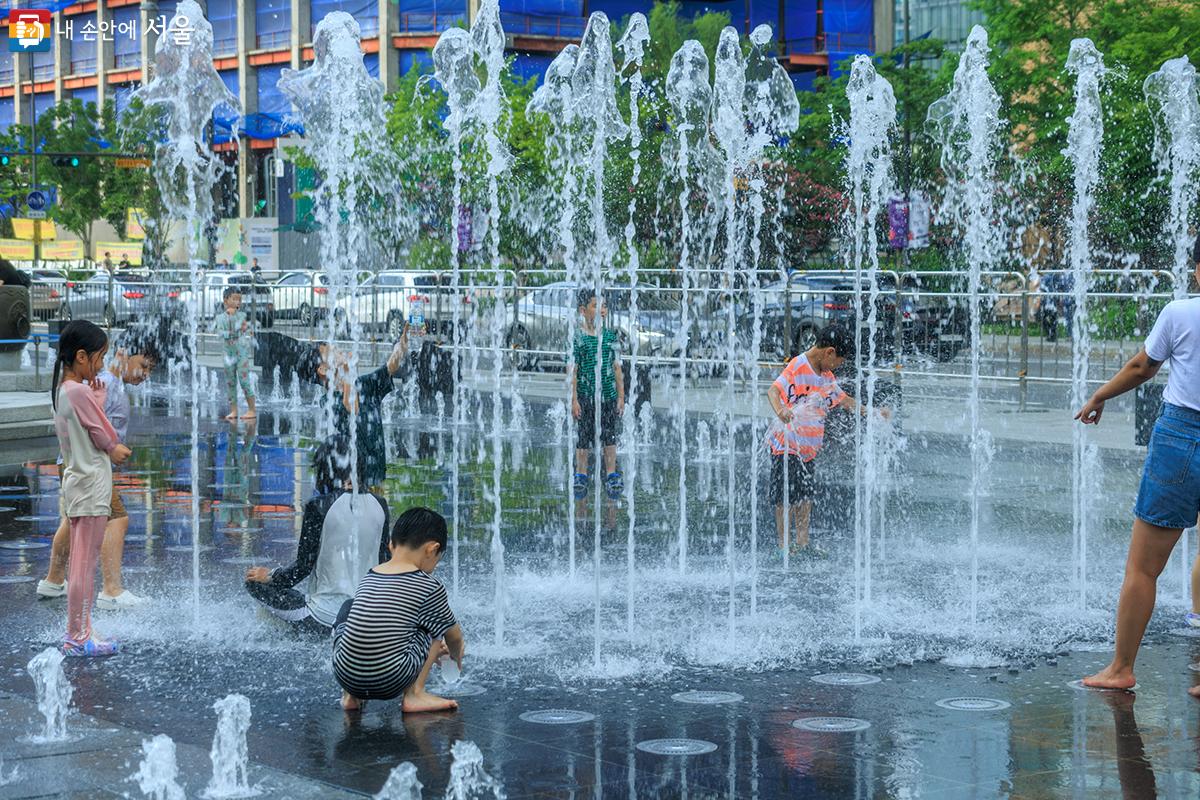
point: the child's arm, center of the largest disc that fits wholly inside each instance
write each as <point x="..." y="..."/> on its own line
<point x="306" y="551"/>
<point x="783" y="412"/>
<point x="619" y="377"/>
<point x="456" y="644"/>
<point x="576" y="411"/>
<point x="852" y="404"/>
<point x="91" y="417"/>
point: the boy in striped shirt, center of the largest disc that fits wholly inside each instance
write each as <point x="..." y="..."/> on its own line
<point x="802" y="395"/>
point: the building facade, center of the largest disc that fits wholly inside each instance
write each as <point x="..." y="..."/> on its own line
<point x="103" y="51"/>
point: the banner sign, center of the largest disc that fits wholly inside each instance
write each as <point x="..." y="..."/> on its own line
<point x="130" y="251"/>
<point x="65" y="250"/>
<point x="23" y="229"/>
<point x="16" y="250"/>
<point x="133" y="224"/>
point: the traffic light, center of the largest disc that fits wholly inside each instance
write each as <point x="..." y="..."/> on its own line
<point x="65" y="161"/>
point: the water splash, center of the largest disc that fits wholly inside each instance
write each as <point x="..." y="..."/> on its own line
<point x="1085" y="143"/>
<point x="187" y="89"/>
<point x="158" y="774"/>
<point x="965" y="122"/>
<point x="402" y="784"/>
<point x="1171" y="94"/>
<point x="53" y="694"/>
<point x="229" y="753"/>
<point x="869" y="185"/>
<point x="468" y="779"/>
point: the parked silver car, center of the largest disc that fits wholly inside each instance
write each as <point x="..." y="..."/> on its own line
<point x="539" y="334"/>
<point x="110" y="299"/>
<point x="47" y="293"/>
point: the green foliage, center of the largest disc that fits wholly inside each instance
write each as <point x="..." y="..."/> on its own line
<point x="1031" y="41"/>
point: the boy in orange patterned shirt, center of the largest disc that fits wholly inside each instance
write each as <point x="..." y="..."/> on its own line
<point x="802" y="395"/>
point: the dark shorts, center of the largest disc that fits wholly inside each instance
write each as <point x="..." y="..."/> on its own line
<point x="585" y="426"/>
<point x="800" y="484"/>
<point x="1169" y="495"/>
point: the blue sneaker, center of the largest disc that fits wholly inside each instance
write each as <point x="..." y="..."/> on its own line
<point x="1193" y="620"/>
<point x="89" y="648"/>
<point x="615" y="485"/>
<point x="581" y="486"/>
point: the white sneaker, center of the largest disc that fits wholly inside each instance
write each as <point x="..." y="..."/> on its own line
<point x="1193" y="620"/>
<point x="124" y="600"/>
<point x="47" y="590"/>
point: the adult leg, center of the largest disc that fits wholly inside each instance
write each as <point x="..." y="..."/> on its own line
<point x="416" y="699"/>
<point x="1148" y="553"/>
<point x="87" y="536"/>
<point x="111" y="553"/>
<point x="60" y="551"/>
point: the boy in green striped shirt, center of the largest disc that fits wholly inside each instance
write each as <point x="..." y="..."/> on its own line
<point x="583" y="397"/>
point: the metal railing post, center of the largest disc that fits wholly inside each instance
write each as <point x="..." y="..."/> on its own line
<point x="37" y="359"/>
<point x="1023" y="375"/>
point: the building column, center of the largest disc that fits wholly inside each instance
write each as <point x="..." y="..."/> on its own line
<point x="300" y="33"/>
<point x="149" y="37"/>
<point x="885" y="25"/>
<point x="104" y="54"/>
<point x="62" y="57"/>
<point x="247" y="94"/>
<point x="389" y="58"/>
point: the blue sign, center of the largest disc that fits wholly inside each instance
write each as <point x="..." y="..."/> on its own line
<point x="37" y="200"/>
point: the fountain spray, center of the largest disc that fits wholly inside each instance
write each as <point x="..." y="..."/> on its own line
<point x="158" y="774"/>
<point x="187" y="90"/>
<point x="53" y="694"/>
<point x="966" y="122"/>
<point x="229" y="753"/>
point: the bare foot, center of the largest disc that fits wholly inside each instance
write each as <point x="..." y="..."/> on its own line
<point x="1111" y="678"/>
<point x="231" y="416"/>
<point x="1195" y="692"/>
<point x="418" y="702"/>
<point x="249" y="415"/>
<point x="352" y="703"/>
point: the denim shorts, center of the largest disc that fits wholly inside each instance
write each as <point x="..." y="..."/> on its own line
<point x="1169" y="496"/>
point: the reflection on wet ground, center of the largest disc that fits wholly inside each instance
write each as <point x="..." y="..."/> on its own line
<point x="1048" y="741"/>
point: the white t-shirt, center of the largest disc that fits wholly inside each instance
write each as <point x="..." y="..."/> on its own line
<point x="1175" y="340"/>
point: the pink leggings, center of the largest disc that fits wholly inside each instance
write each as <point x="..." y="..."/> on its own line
<point x="87" y="534"/>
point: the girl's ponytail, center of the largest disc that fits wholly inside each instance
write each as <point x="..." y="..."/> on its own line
<point x="76" y="335"/>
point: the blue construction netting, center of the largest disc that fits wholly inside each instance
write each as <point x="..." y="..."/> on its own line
<point x="371" y="62"/>
<point x="43" y="65"/>
<point x="126" y="35"/>
<point x="274" y="115"/>
<point x="6" y="62"/>
<point x="543" y="17"/>
<point x="272" y="22"/>
<point x="415" y="58"/>
<point x="122" y="95"/>
<point x="223" y="16"/>
<point x="365" y="12"/>
<point x="800" y="25"/>
<point x="530" y="65"/>
<point x="83" y="51"/>
<point x="850" y="16"/>
<point x="8" y="113"/>
<point x="43" y="102"/>
<point x="803" y="81"/>
<point x="430" y="16"/>
<point x="839" y="61"/>
<point x="85" y="95"/>
<point x="166" y="10"/>
<point x="225" y="118"/>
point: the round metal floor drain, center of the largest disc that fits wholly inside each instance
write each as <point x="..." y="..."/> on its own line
<point x="240" y="529"/>
<point x="135" y="538"/>
<point x="1188" y="632"/>
<point x="291" y="540"/>
<point x="973" y="704"/>
<point x="13" y="490"/>
<point x="846" y="678"/>
<point x="460" y="689"/>
<point x="704" y="698"/>
<point x="16" y="578"/>
<point x="1079" y="685"/>
<point x="1194" y="667"/>
<point x="676" y="747"/>
<point x="557" y="716"/>
<point x="831" y="724"/>
<point x="23" y="545"/>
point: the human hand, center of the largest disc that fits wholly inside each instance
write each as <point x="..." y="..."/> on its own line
<point x="784" y="414"/>
<point x="885" y="412"/>
<point x="258" y="574"/>
<point x="1091" y="412"/>
<point x="576" y="411"/>
<point x="120" y="454"/>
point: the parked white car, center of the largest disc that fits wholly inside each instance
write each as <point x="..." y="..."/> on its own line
<point x="212" y="296"/>
<point x="302" y="295"/>
<point x="382" y="302"/>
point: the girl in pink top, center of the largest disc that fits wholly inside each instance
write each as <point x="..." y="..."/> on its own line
<point x="89" y="447"/>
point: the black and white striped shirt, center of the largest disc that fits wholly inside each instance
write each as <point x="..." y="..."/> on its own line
<point x="381" y="646"/>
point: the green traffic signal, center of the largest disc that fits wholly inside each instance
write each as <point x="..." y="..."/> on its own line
<point x="5" y="160"/>
<point x="65" y="161"/>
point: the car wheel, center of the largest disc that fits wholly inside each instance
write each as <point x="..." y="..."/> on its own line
<point x="394" y="325"/>
<point x="518" y="339"/>
<point x="110" y="317"/>
<point x="64" y="311"/>
<point x="306" y="314"/>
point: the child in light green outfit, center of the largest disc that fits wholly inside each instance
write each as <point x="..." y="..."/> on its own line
<point x="238" y="344"/>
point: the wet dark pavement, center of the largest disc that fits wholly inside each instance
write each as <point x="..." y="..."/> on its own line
<point x="1050" y="741"/>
